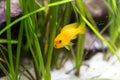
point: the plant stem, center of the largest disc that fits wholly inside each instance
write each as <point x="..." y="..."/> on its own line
<point x="53" y="27"/>
<point x="8" y="20"/>
<point x="19" y="49"/>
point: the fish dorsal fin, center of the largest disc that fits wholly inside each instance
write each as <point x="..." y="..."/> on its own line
<point x="73" y="25"/>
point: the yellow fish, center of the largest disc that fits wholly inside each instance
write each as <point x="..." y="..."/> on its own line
<point x="68" y="33"/>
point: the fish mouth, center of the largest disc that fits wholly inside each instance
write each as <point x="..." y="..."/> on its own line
<point x="55" y="46"/>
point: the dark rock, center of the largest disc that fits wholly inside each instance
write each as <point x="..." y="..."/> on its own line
<point x="99" y="12"/>
<point x="93" y="45"/>
<point x="15" y="9"/>
<point x="97" y="8"/>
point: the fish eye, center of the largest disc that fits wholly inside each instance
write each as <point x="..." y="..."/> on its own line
<point x="60" y="41"/>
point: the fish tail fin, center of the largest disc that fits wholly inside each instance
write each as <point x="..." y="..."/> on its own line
<point x="81" y="28"/>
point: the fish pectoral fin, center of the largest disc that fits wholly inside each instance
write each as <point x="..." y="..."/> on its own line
<point x="67" y="47"/>
<point x="70" y="44"/>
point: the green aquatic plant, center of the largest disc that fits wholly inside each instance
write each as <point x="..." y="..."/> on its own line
<point x="10" y="54"/>
<point x="41" y="22"/>
<point x="114" y="17"/>
<point x="28" y="24"/>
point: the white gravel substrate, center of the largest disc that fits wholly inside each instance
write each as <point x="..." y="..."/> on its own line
<point x="97" y="68"/>
<point x="94" y="69"/>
